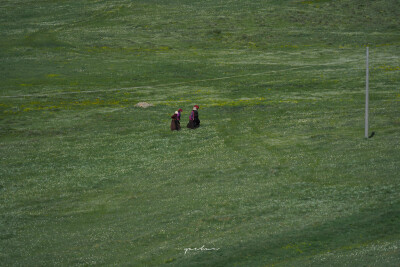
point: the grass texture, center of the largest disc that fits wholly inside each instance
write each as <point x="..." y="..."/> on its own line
<point x="278" y="174"/>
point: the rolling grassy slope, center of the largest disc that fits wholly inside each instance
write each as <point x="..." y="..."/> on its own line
<point x="279" y="172"/>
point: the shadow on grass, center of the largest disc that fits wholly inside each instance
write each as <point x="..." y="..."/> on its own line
<point x="344" y="234"/>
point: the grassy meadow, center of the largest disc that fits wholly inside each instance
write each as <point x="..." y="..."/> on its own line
<point x="278" y="174"/>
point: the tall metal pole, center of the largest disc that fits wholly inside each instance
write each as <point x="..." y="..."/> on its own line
<point x="366" y="95"/>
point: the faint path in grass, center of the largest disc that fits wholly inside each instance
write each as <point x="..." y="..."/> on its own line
<point x="172" y="84"/>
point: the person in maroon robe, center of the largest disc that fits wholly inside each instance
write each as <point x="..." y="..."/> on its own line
<point x="194" y="121"/>
<point x="175" y="124"/>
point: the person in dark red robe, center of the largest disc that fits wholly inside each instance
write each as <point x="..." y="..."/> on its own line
<point x="175" y="124"/>
<point x="194" y="121"/>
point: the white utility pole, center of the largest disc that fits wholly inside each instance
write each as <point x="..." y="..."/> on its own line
<point x="366" y="95"/>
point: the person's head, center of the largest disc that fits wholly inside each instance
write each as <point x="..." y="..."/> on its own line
<point x="180" y="110"/>
<point x="194" y="108"/>
<point x="176" y="112"/>
<point x="197" y="107"/>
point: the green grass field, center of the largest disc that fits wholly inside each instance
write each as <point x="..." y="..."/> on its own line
<point x="278" y="174"/>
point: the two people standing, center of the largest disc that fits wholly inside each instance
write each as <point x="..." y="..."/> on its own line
<point x="194" y="121"/>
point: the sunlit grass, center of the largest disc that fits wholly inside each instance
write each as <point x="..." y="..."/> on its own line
<point x="278" y="174"/>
